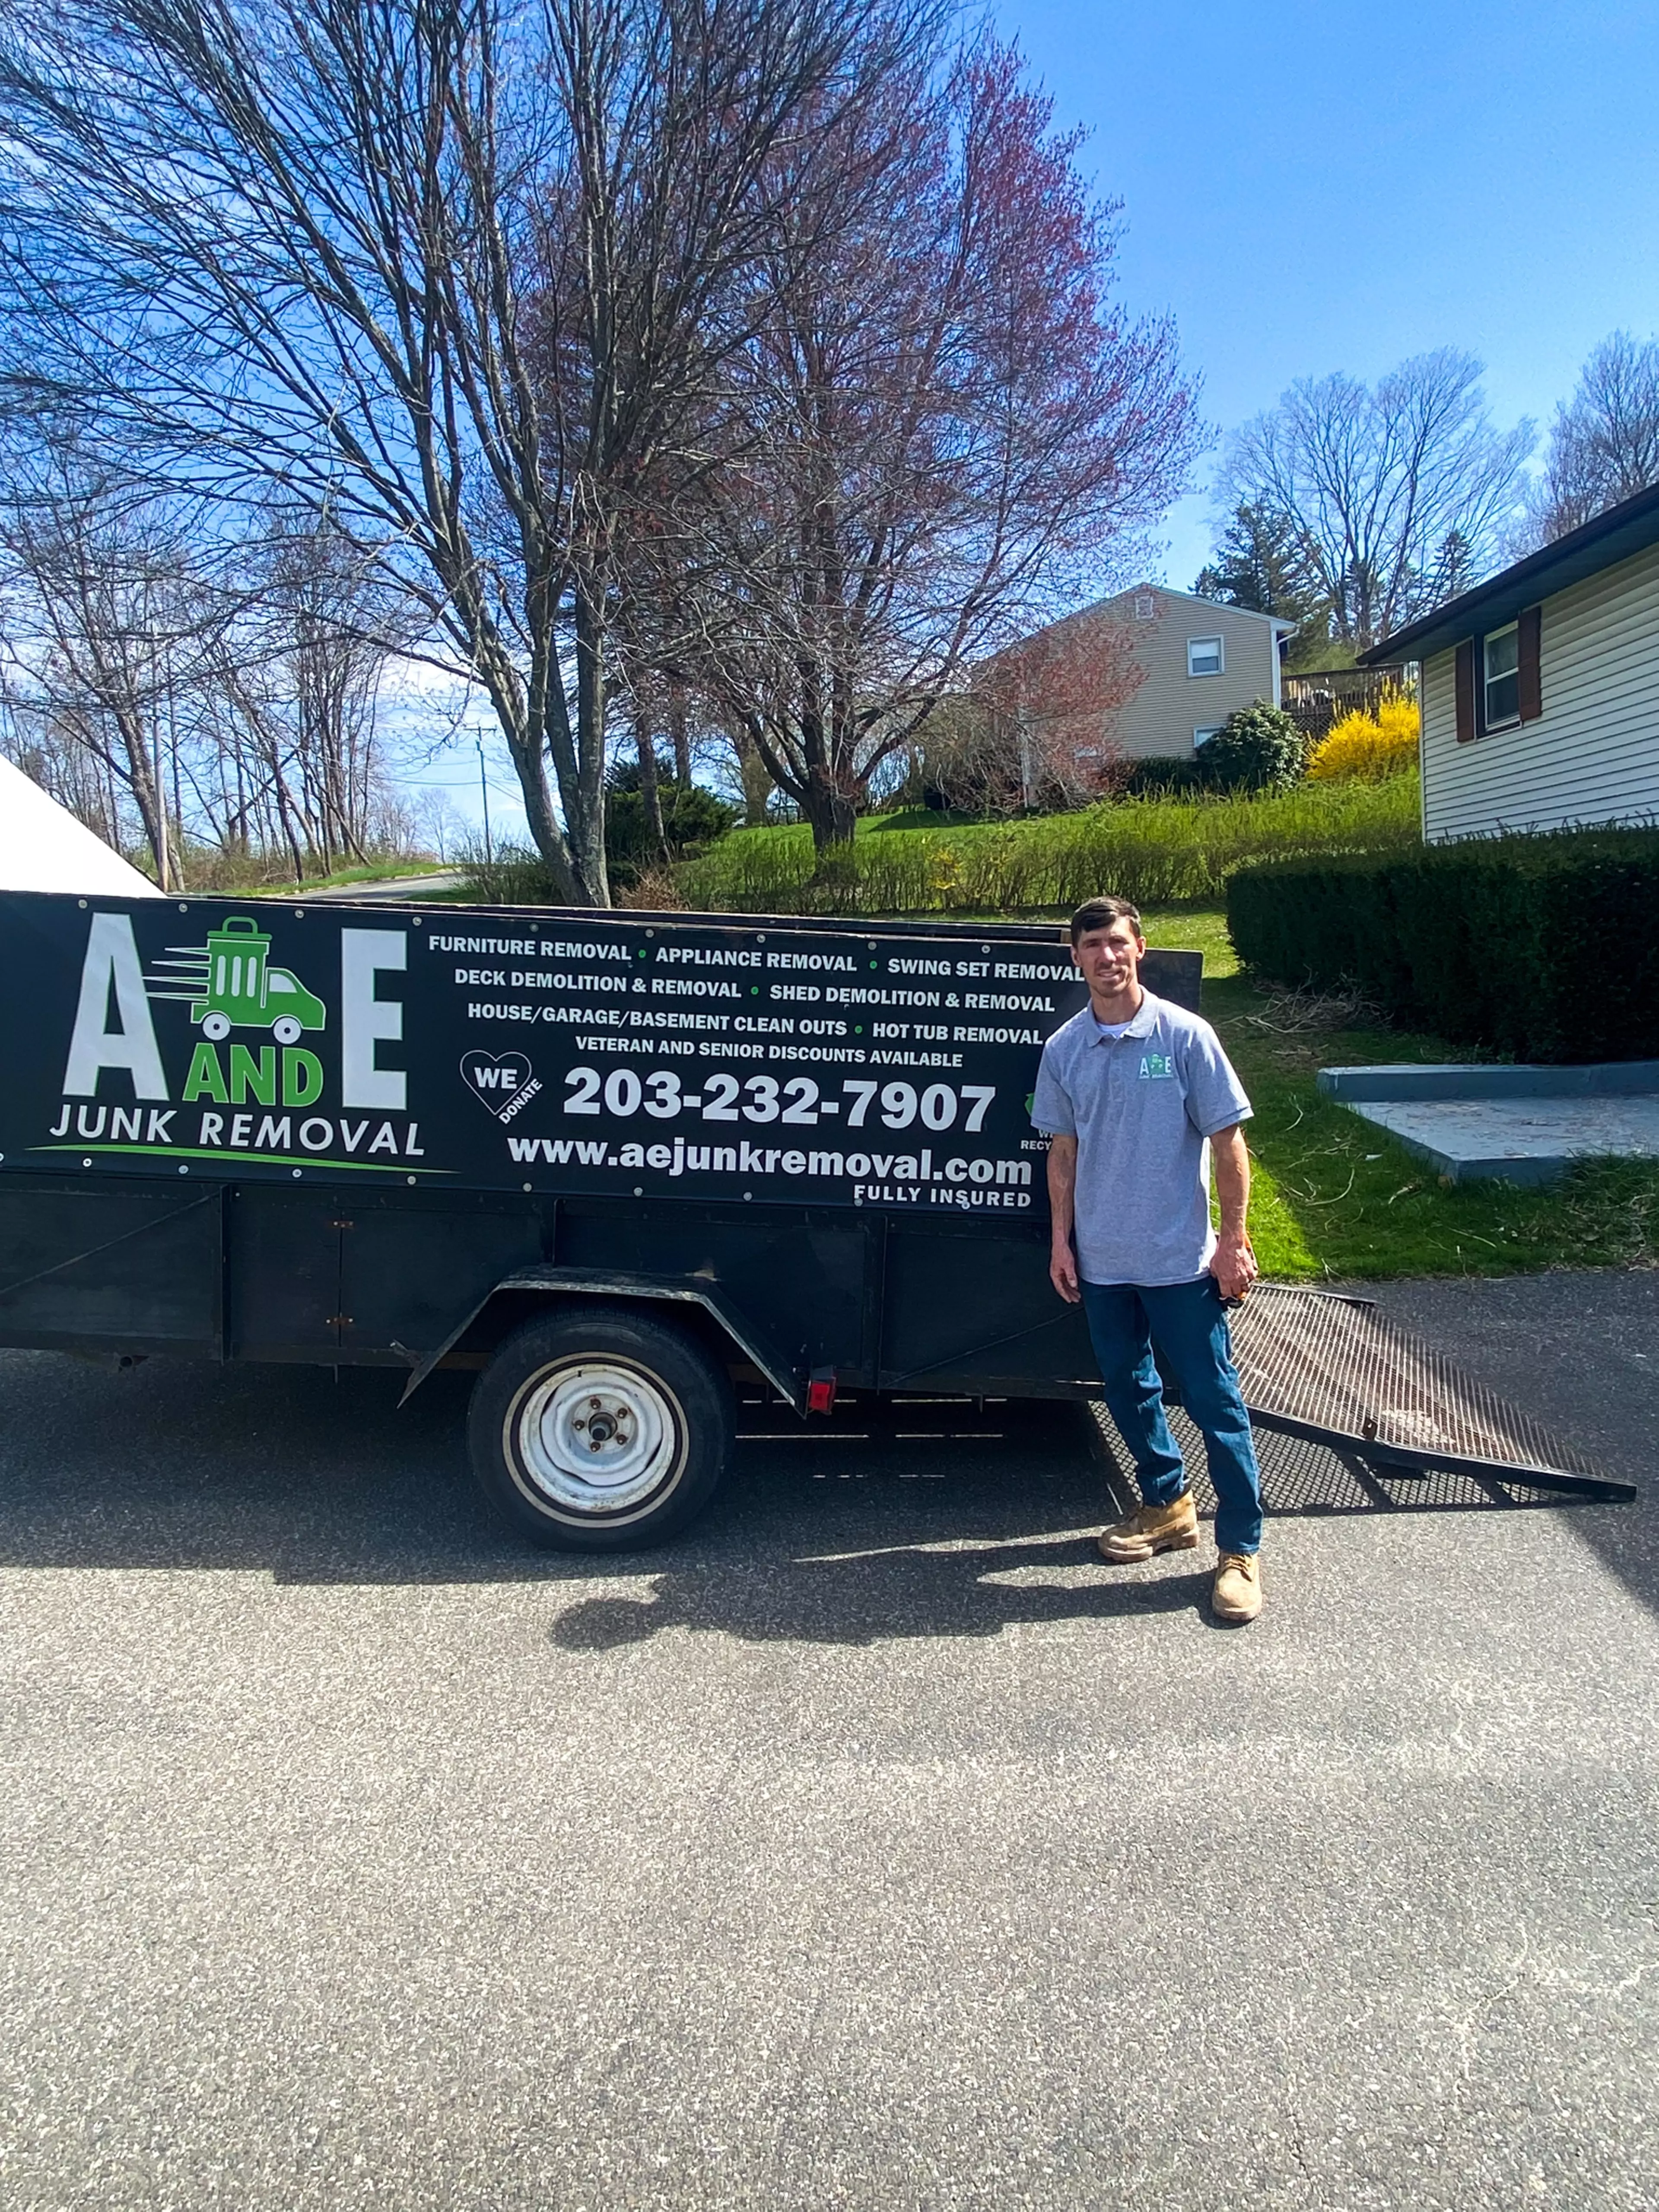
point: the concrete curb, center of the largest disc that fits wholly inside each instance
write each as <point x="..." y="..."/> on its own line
<point x="1618" y="1078"/>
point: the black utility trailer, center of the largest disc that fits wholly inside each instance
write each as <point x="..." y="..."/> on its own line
<point x="612" y="1162"/>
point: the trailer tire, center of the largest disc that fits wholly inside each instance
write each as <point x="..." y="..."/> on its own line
<point x="661" y="1437"/>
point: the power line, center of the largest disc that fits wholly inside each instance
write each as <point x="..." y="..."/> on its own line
<point x="483" y="786"/>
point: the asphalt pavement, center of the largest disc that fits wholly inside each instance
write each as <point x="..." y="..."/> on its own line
<point x="874" y="1846"/>
<point x="389" y="890"/>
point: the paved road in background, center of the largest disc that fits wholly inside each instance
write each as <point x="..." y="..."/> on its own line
<point x="877" y="1847"/>
<point x="391" y="891"/>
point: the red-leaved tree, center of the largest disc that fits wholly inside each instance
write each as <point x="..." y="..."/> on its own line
<point x="943" y="427"/>
<point x="1050" y="704"/>
<point x="1035" y="727"/>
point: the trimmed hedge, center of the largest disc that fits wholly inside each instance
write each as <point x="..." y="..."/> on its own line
<point x="1545" y="947"/>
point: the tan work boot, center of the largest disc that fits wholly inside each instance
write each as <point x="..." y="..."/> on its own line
<point x="1236" y="1595"/>
<point x="1152" y="1528"/>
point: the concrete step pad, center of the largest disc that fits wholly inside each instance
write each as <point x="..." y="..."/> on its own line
<point x="1523" y="1139"/>
<point x="1454" y="1079"/>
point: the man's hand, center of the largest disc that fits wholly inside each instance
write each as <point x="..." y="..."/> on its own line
<point x="1062" y="1273"/>
<point x="1233" y="1265"/>
<point x="1062" y="1190"/>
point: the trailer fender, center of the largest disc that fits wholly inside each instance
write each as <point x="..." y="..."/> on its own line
<point x="656" y="1290"/>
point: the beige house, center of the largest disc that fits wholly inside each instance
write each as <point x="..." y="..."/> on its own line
<point x="1184" y="662"/>
<point x="1540" y="687"/>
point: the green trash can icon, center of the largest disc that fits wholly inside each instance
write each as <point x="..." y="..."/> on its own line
<point x="244" y="991"/>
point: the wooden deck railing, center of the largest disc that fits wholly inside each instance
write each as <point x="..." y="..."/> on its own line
<point x="1320" y="696"/>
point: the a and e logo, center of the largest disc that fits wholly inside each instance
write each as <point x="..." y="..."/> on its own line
<point x="112" y="966"/>
<point x="1157" y="1067"/>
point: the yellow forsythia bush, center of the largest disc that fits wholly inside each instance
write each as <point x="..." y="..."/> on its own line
<point x="1370" y="746"/>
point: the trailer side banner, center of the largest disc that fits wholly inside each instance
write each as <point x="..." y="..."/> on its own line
<point x="499" y="1050"/>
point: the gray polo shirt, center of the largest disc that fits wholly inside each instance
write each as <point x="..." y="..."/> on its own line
<point x="1142" y="1108"/>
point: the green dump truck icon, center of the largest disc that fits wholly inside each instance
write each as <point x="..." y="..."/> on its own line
<point x="244" y="991"/>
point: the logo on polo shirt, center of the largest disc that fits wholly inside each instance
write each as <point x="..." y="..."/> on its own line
<point x="1157" y="1067"/>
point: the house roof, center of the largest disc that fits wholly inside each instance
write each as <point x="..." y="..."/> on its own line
<point x="1277" y="622"/>
<point x="1630" y="527"/>
<point x="1193" y="599"/>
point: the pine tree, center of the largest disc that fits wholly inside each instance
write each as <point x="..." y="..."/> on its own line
<point x="1262" y="563"/>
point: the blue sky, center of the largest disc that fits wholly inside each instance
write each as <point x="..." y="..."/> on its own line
<point x="1315" y="187"/>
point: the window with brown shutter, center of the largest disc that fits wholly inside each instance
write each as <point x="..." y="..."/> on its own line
<point x="1530" y="689"/>
<point x="1466" y="691"/>
<point x="1498" y="700"/>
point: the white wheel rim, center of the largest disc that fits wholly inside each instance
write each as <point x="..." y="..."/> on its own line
<point x="286" y="1031"/>
<point x="216" y="1026"/>
<point x="596" y="1437"/>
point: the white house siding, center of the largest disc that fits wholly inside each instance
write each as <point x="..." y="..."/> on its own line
<point x="1168" y="705"/>
<point x="1593" y="754"/>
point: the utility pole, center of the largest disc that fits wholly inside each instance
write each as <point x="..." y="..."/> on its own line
<point x="163" y="854"/>
<point x="484" y="787"/>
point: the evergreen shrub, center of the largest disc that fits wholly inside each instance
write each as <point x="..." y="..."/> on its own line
<point x="1257" y="748"/>
<point x="1161" y="778"/>
<point x="1544" y="947"/>
<point x="692" y="819"/>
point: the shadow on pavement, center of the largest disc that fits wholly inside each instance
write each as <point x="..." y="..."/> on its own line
<point x="871" y="1596"/>
<point x="293" y="1472"/>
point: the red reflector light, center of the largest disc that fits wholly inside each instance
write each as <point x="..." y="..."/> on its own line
<point x="821" y="1394"/>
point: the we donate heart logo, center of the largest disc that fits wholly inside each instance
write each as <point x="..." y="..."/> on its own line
<point x="496" y="1078"/>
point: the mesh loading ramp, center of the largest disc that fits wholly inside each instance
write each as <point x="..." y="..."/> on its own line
<point x="1336" y="1370"/>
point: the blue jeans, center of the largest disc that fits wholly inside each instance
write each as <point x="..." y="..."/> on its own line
<point x="1190" y="1327"/>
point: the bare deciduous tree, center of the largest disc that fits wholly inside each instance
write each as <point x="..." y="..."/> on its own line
<point x="226" y="695"/>
<point x="942" y="423"/>
<point x="317" y="627"/>
<point x="1051" y="703"/>
<point x="1400" y="494"/>
<point x="1035" y="729"/>
<point x="435" y="817"/>
<point x="1604" y="441"/>
<point x="447" y="270"/>
<point x="107" y="630"/>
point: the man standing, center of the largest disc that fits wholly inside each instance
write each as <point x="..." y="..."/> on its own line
<point x="1136" y="1096"/>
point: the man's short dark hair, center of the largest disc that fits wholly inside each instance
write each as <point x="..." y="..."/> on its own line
<point x="1101" y="914"/>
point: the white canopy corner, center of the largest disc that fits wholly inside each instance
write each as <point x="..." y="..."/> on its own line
<point x="44" y="848"/>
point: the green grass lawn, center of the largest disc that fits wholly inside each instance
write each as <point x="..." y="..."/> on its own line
<point x="1335" y="1197"/>
<point x="1148" y="849"/>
